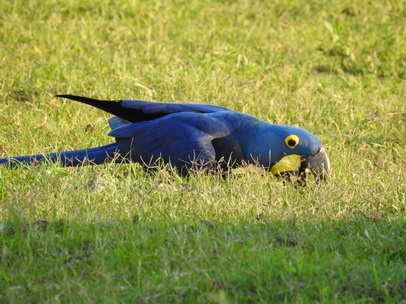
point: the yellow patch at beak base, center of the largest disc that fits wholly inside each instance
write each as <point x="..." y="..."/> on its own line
<point x="287" y="163"/>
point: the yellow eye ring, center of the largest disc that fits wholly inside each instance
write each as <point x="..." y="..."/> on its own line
<point x="292" y="141"/>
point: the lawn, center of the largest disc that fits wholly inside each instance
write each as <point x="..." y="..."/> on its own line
<point x="116" y="234"/>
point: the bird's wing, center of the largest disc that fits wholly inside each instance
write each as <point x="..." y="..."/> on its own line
<point x="150" y="107"/>
<point x="140" y="110"/>
<point x="180" y="139"/>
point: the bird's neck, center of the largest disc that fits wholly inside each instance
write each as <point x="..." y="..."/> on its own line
<point x="256" y="149"/>
<point x="252" y="136"/>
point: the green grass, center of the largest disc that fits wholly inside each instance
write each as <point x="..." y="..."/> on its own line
<point x="114" y="233"/>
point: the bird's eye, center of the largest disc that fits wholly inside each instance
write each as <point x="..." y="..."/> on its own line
<point x="292" y="141"/>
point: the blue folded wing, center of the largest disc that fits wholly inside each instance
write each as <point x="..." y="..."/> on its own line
<point x="140" y="110"/>
<point x="150" y="107"/>
<point x="181" y="139"/>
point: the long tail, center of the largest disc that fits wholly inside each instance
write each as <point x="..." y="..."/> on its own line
<point x="92" y="156"/>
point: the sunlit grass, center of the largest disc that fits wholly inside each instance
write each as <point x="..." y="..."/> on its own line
<point x="115" y="233"/>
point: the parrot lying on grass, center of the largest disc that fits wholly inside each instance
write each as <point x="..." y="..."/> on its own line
<point x="188" y="136"/>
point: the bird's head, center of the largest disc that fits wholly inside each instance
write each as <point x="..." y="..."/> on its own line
<point x="293" y="152"/>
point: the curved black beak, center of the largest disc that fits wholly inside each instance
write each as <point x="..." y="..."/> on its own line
<point x="296" y="168"/>
<point x="318" y="164"/>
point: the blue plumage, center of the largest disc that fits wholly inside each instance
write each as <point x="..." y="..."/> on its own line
<point x="98" y="155"/>
<point x="189" y="135"/>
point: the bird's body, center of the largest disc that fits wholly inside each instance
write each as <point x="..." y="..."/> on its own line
<point x="194" y="135"/>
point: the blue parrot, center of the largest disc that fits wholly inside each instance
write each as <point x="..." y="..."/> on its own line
<point x="188" y="136"/>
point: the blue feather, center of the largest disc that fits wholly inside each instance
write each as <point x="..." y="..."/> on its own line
<point x="94" y="156"/>
<point x="186" y="135"/>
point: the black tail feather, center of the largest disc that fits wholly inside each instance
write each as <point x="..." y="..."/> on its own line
<point x="114" y="107"/>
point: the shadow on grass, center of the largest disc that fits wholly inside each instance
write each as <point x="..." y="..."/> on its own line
<point x="260" y="260"/>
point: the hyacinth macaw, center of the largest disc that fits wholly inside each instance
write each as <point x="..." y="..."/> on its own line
<point x="187" y="136"/>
